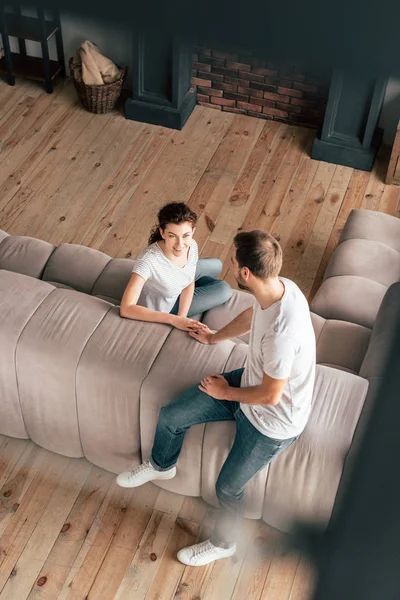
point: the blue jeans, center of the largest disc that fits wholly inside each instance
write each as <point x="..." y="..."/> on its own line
<point x="250" y="453"/>
<point x="209" y="291"/>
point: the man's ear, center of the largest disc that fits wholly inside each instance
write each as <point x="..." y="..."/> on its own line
<point x="245" y="271"/>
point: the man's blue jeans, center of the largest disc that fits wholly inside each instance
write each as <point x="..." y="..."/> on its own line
<point x="250" y="453"/>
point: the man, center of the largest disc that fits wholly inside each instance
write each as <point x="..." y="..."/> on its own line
<point x="270" y="399"/>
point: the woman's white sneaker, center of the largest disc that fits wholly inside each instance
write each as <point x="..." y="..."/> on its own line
<point x="203" y="554"/>
<point x="142" y="474"/>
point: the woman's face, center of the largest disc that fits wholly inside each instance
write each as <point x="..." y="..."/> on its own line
<point x="178" y="238"/>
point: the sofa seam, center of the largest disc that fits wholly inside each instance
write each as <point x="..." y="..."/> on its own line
<point x="100" y="274"/>
<point x="76" y="374"/>
<point x="367" y="240"/>
<point x="16" y="348"/>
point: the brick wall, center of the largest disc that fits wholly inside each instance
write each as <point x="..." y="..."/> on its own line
<point x="252" y="86"/>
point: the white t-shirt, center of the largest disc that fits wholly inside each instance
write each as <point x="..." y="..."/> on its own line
<point x="282" y="345"/>
<point x="164" y="281"/>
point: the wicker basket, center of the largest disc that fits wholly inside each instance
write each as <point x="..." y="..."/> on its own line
<point x="98" y="99"/>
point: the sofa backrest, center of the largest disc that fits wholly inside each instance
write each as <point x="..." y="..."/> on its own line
<point x="68" y="266"/>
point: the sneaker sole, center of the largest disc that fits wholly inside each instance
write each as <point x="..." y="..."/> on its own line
<point x="158" y="478"/>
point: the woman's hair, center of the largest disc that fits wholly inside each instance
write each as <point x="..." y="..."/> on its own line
<point x="259" y="252"/>
<point x="176" y="213"/>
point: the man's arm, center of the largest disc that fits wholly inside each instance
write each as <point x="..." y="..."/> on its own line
<point x="268" y="393"/>
<point x="239" y="326"/>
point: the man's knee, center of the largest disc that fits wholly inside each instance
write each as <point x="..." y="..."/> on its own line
<point x="227" y="490"/>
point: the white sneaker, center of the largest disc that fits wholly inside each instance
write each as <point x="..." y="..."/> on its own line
<point x="142" y="474"/>
<point x="203" y="553"/>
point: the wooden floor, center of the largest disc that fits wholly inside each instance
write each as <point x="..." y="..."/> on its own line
<point x="66" y="530"/>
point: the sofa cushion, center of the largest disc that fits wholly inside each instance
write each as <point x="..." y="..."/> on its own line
<point x="113" y="279"/>
<point x="349" y="298"/>
<point x="374" y="226"/>
<point x="47" y="357"/>
<point x="365" y="258"/>
<point x="75" y="266"/>
<point x="340" y="344"/>
<point x="181" y="363"/>
<point x="24" y="255"/>
<point x="303" y="480"/>
<point x="3" y="234"/>
<point x="20" y="298"/>
<point x="110" y="374"/>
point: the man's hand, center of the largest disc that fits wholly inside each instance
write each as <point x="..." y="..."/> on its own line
<point x="215" y="386"/>
<point x="203" y="334"/>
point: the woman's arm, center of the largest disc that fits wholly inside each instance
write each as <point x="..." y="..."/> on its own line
<point x="130" y="310"/>
<point x="186" y="300"/>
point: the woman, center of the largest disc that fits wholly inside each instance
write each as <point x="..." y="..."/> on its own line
<point x="169" y="283"/>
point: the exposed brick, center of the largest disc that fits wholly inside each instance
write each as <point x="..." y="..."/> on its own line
<point x="250" y="92"/>
<point x="306" y="112"/>
<point x="210" y="76"/>
<point x="291" y="75"/>
<point x="262" y="102"/>
<point x="210" y="105"/>
<point x="258" y="115"/>
<point x="290" y="92"/>
<point x="274" y="112"/>
<point x="225" y="55"/>
<point x="202" y="98"/>
<point x="262" y="86"/>
<point x="268" y="72"/>
<point x="214" y="62"/>
<point x="233" y="96"/>
<point x="194" y="72"/>
<point x="234" y="110"/>
<point x="201" y="66"/>
<point x="225" y="72"/>
<point x="222" y="101"/>
<point x="233" y="80"/>
<point x="306" y="103"/>
<point x="291" y="108"/>
<point x="251" y="77"/>
<point x="276" y="97"/>
<point x="229" y="87"/>
<point x="202" y="50"/>
<point x="238" y="66"/>
<point x="195" y="57"/>
<point x="202" y="82"/>
<point x="285" y="83"/>
<point x="305" y="88"/>
<point x="248" y="106"/>
<point x="210" y="91"/>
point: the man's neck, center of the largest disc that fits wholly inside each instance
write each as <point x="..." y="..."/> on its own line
<point x="268" y="291"/>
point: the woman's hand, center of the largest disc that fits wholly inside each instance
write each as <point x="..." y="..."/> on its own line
<point x="185" y="324"/>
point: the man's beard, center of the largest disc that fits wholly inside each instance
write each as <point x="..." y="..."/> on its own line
<point x="241" y="284"/>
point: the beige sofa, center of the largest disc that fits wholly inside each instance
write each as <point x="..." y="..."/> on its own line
<point x="79" y="380"/>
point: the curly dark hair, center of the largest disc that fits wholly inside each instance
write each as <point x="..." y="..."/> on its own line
<point x="176" y="213"/>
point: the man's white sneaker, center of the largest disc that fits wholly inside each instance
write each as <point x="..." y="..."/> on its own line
<point x="203" y="553"/>
<point x="142" y="474"/>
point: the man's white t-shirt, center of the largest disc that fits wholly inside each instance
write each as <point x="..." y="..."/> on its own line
<point x="282" y="345"/>
<point x="164" y="281"/>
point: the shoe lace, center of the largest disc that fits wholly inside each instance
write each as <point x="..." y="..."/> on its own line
<point x="200" y="550"/>
<point x="141" y="468"/>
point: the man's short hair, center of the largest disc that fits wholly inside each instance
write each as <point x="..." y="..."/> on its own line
<point x="260" y="252"/>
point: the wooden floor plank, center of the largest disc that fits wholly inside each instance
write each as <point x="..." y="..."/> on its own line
<point x="141" y="572"/>
<point x="46" y="531"/>
<point x="72" y="536"/>
<point x="322" y="229"/>
<point x="304" y="582"/>
<point x="353" y="199"/>
<point x="20" y="527"/>
<point x="126" y="541"/>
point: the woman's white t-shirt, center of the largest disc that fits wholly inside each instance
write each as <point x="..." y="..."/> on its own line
<point x="164" y="281"/>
